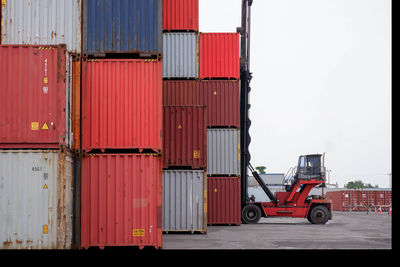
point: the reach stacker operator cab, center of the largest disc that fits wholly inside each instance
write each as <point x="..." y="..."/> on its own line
<point x="295" y="202"/>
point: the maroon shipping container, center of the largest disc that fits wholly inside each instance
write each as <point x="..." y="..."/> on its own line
<point x="184" y="137"/>
<point x="221" y="97"/>
<point x="360" y="200"/>
<point x="121" y="104"/>
<point x="121" y="200"/>
<point x="181" y="15"/>
<point x="223" y="200"/>
<point x="34" y="97"/>
<point x="219" y="56"/>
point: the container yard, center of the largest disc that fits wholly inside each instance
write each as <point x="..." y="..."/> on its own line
<point x="124" y="125"/>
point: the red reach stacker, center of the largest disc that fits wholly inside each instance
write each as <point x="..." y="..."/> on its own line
<point x="310" y="172"/>
<point x="296" y="201"/>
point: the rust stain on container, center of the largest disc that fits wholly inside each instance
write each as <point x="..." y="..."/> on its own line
<point x="33" y="97"/>
<point x="219" y="55"/>
<point x="121" y="200"/>
<point x="184" y="136"/>
<point x="221" y="97"/>
<point x="121" y="104"/>
<point x="76" y="102"/>
<point x="223" y="200"/>
<point x="41" y="192"/>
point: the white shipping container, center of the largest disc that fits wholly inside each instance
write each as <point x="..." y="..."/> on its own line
<point x="223" y="153"/>
<point x="36" y="199"/>
<point x="180" y="55"/>
<point x="42" y="22"/>
<point x="184" y="201"/>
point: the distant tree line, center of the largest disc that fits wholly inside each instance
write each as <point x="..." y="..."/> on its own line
<point x="358" y="184"/>
<point x="261" y="169"/>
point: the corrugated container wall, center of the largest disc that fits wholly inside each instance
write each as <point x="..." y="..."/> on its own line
<point x="36" y="199"/>
<point x="35" y="96"/>
<point x="222" y="99"/>
<point x="360" y="200"/>
<point x="180" y="55"/>
<point x="184" y="137"/>
<point x="121" y="200"/>
<point x="223" y="200"/>
<point x="76" y="102"/>
<point x="219" y="55"/>
<point x="184" y="201"/>
<point x="121" y="104"/>
<point x="182" y="15"/>
<point x="42" y="22"/>
<point x="220" y="96"/>
<point x="122" y="26"/>
<point x="223" y="153"/>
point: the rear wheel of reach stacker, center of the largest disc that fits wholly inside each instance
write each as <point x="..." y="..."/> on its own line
<point x="318" y="215"/>
<point x="251" y="214"/>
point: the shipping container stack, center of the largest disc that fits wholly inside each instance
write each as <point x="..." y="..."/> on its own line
<point x="220" y="84"/>
<point x="200" y="70"/>
<point x="184" y="122"/>
<point x="121" y="123"/>
<point x="39" y="122"/>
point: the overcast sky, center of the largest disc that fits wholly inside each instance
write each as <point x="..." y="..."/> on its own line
<point x="321" y="83"/>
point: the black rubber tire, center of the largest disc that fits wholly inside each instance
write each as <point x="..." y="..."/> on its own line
<point x="251" y="214"/>
<point x="319" y="215"/>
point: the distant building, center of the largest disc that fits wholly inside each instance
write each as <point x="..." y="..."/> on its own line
<point x="268" y="178"/>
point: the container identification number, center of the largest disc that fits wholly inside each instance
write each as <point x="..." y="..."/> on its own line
<point x="36" y="169"/>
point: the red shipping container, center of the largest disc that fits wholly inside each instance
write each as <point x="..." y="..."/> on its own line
<point x="181" y="15"/>
<point x="219" y="55"/>
<point x="184" y="137"/>
<point x="121" y="200"/>
<point x="221" y="97"/>
<point x="33" y="94"/>
<point x="223" y="200"/>
<point x="359" y="200"/>
<point x="121" y="104"/>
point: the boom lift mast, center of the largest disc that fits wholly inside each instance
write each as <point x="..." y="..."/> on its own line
<point x="310" y="172"/>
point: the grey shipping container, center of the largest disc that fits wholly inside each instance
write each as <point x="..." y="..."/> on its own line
<point x="180" y="55"/>
<point x="184" y="201"/>
<point x="42" y="22"/>
<point x="122" y="26"/>
<point x="223" y="152"/>
<point x="36" y="200"/>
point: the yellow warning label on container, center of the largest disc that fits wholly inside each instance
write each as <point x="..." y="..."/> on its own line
<point x="196" y="154"/>
<point x="215" y="190"/>
<point x="3" y="2"/>
<point x="215" y="92"/>
<point x="45" y="127"/>
<point x="34" y="126"/>
<point x="180" y="126"/>
<point x="45" y="80"/>
<point x="45" y="229"/>
<point x="138" y="232"/>
<point x="45" y="186"/>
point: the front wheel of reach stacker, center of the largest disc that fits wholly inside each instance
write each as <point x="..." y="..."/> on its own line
<point x="319" y="215"/>
<point x="251" y="214"/>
